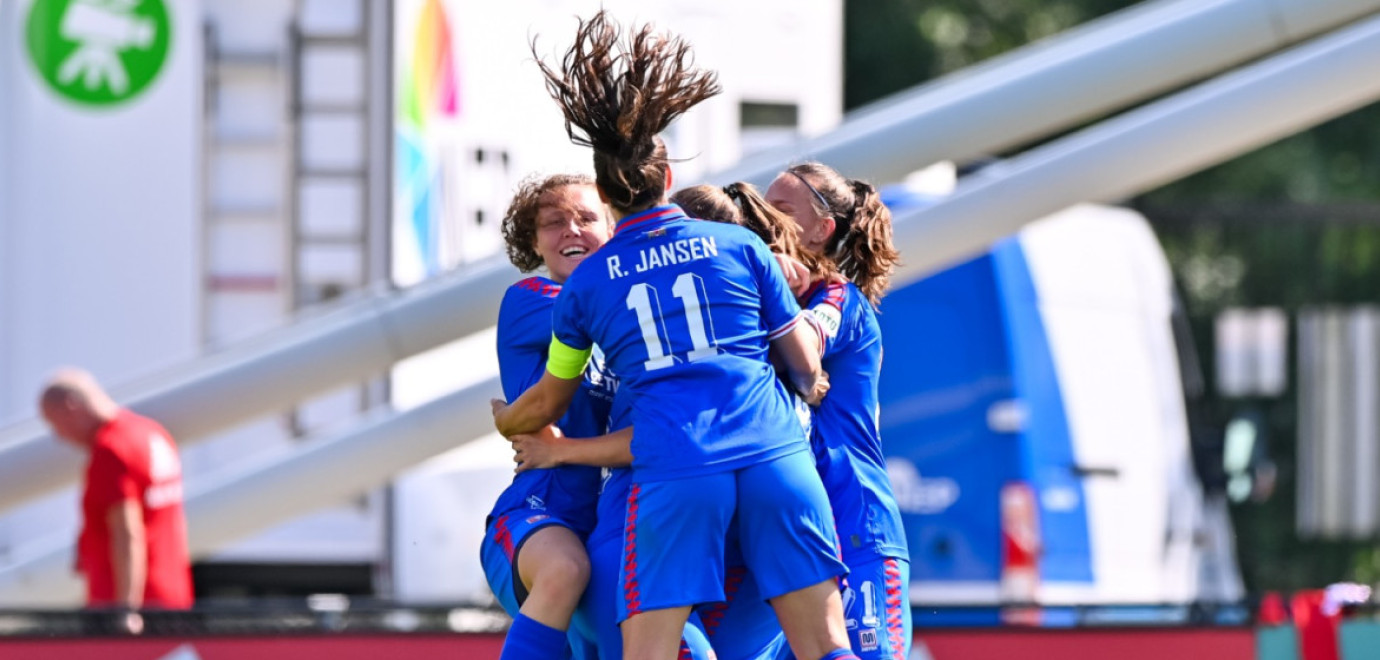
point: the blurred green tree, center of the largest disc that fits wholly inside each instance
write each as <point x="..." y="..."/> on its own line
<point x="890" y="45"/>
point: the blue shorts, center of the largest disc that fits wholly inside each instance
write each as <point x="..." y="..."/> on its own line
<point x="744" y="626"/>
<point x="597" y="616"/>
<point x="673" y="544"/>
<point x="876" y="608"/>
<point x="498" y="553"/>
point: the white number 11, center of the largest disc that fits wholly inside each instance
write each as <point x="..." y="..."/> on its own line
<point x="643" y="300"/>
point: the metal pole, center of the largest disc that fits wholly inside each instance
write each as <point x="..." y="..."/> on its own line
<point x="1147" y="147"/>
<point x="319" y="473"/>
<point x="275" y="371"/>
<point x="1056" y="84"/>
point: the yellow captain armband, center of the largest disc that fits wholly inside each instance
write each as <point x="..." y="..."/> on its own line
<point x="566" y="362"/>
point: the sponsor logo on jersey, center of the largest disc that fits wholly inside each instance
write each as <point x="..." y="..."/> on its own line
<point x="829" y="317"/>
<point x="163" y="462"/>
<point x="537" y="518"/>
<point x="603" y="384"/>
<point x="535" y="502"/>
<point x="165" y="494"/>
<point x="867" y="639"/>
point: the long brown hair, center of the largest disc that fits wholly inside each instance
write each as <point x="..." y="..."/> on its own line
<point x="520" y="220"/>
<point x="617" y="95"/>
<point x="741" y="204"/>
<point x="861" y="245"/>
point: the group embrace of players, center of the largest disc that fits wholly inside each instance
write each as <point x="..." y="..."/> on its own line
<point x="694" y="408"/>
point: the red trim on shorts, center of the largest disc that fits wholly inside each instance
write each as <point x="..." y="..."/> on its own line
<point x="713" y="615"/>
<point x="895" y="629"/>
<point x="504" y="537"/>
<point x="632" y="593"/>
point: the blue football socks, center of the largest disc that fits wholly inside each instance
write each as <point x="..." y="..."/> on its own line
<point x="840" y="654"/>
<point x="529" y="639"/>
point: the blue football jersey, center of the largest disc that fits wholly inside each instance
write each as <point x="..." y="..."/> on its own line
<point x="684" y="310"/>
<point x="613" y="495"/>
<point x="845" y="435"/>
<point x="524" y="337"/>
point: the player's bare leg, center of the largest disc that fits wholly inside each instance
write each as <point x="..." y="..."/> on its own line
<point x="812" y="619"/>
<point x="655" y="634"/>
<point x="555" y="569"/>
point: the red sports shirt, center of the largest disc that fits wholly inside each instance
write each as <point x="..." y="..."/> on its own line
<point x="134" y="458"/>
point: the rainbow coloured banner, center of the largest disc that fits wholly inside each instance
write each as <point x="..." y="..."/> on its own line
<point x="428" y="98"/>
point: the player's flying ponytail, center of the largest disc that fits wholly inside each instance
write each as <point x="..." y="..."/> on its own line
<point x="617" y="95"/>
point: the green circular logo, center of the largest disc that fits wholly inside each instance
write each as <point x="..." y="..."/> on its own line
<point x="98" y="52"/>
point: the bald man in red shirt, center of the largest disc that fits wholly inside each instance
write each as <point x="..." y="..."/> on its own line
<point x="133" y="545"/>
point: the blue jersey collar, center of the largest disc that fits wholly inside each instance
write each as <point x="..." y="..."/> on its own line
<point x="652" y="217"/>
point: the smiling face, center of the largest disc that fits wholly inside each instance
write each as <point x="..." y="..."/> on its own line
<point x="790" y="196"/>
<point x="571" y="224"/>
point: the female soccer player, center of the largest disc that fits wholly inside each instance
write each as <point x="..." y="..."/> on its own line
<point x="684" y="312"/>
<point x="845" y="221"/>
<point x="741" y="204"/>
<point x="743" y="626"/>
<point x="533" y="549"/>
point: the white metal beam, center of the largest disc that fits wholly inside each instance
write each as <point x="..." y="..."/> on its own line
<point x="1147" y="147"/>
<point x="320" y="473"/>
<point x="1056" y="84"/>
<point x="275" y="371"/>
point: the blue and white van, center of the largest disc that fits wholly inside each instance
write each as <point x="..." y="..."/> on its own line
<point x="1033" y="417"/>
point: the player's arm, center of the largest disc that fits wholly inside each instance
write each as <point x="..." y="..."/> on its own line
<point x="545" y="402"/>
<point x="794" y="340"/>
<point x="128" y="551"/>
<point x="814" y="342"/>
<point x="547" y="449"/>
<point x="798" y="352"/>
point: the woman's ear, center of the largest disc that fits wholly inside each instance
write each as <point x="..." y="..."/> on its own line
<point x="826" y="228"/>
<point x="669" y="180"/>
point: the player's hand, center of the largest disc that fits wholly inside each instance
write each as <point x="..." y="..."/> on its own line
<point x="817" y="392"/>
<point x="497" y="406"/>
<point x="124" y="621"/>
<point x="549" y="433"/>
<point x="134" y="623"/>
<point x="537" y="450"/>
<point x="797" y="275"/>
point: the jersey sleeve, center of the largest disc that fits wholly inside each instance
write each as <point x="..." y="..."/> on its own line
<point x="565" y="362"/>
<point x="524" y="332"/>
<point x="567" y="325"/>
<point x="825" y="306"/>
<point x="780" y="311"/>
<point x="113" y="479"/>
